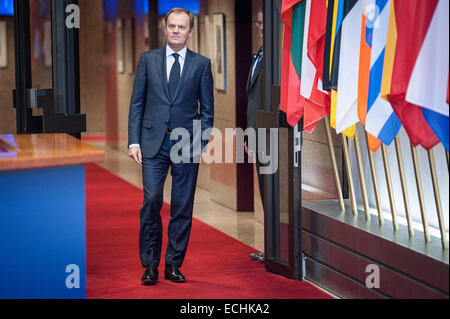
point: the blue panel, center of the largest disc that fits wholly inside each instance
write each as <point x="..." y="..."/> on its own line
<point x="439" y="125"/>
<point x="390" y="129"/>
<point x="110" y="9"/>
<point x="141" y="6"/>
<point x="6" y="8"/>
<point x="167" y="5"/>
<point x="42" y="231"/>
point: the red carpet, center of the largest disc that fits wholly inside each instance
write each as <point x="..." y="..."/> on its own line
<point x="216" y="265"/>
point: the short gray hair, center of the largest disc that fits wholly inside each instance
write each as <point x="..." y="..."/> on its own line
<point x="181" y="10"/>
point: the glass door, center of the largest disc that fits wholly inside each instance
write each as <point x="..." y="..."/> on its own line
<point x="47" y="94"/>
<point x="282" y="193"/>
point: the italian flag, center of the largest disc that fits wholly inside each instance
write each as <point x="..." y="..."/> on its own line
<point x="293" y="17"/>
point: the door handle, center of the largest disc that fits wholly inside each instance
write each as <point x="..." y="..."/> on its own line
<point x="298" y="143"/>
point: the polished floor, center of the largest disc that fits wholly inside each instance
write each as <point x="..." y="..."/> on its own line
<point x="242" y="226"/>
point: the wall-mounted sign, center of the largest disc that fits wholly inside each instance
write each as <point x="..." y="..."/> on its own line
<point x="220" y="52"/>
<point x="3" y="45"/>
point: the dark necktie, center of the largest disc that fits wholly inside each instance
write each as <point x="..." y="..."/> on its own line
<point x="174" y="77"/>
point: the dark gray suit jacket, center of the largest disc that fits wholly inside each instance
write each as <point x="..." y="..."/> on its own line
<point x="254" y="92"/>
<point x="151" y="108"/>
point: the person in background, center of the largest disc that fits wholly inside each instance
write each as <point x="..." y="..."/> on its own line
<point x="255" y="102"/>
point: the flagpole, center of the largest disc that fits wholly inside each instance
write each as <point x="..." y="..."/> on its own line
<point x="334" y="165"/>
<point x="448" y="160"/>
<point x="375" y="183"/>
<point x="387" y="172"/>
<point x="437" y="198"/>
<point x="351" y="187"/>
<point x="362" y="176"/>
<point x="404" y="186"/>
<point x="420" y="193"/>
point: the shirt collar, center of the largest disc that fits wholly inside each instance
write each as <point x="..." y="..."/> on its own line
<point x="182" y="53"/>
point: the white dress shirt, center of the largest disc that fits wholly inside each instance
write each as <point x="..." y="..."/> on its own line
<point x="170" y="60"/>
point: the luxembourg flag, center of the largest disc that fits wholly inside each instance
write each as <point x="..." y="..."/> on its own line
<point x="381" y="120"/>
<point x="428" y="86"/>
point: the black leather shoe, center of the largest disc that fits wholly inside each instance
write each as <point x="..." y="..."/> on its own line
<point x="150" y="276"/>
<point x="257" y="256"/>
<point x="173" y="273"/>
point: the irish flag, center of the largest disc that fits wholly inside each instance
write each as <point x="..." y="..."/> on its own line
<point x="293" y="17"/>
<point x="364" y="63"/>
<point x="369" y="20"/>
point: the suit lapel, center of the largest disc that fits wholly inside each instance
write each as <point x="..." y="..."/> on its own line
<point x="250" y="75"/>
<point x="160" y="60"/>
<point x="186" y="68"/>
<point x="257" y="71"/>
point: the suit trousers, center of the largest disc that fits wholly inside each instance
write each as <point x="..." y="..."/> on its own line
<point x="260" y="180"/>
<point x="258" y="165"/>
<point x="184" y="183"/>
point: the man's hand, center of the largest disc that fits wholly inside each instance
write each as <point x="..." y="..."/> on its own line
<point x="136" y="154"/>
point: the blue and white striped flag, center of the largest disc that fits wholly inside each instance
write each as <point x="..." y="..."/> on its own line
<point x="381" y="120"/>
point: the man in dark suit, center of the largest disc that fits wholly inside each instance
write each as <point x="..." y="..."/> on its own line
<point x="170" y="85"/>
<point x="255" y="86"/>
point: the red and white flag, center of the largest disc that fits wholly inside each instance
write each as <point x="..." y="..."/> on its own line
<point x="317" y="101"/>
<point x="413" y="19"/>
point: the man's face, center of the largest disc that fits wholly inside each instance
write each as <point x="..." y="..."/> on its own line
<point x="178" y="29"/>
<point x="260" y="24"/>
